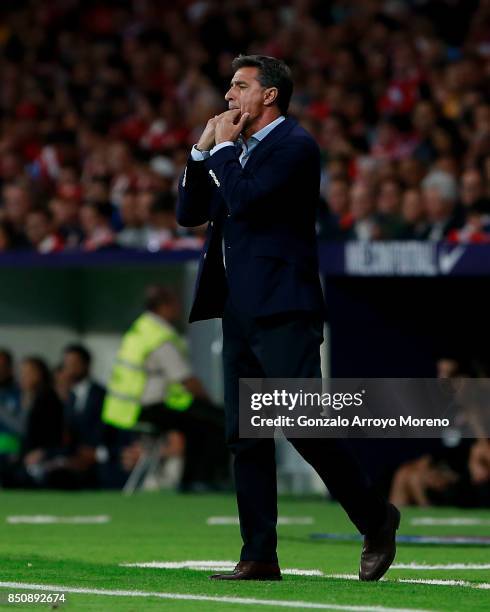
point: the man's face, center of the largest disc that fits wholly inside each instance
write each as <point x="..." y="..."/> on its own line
<point x="471" y="187"/>
<point x="74" y="367"/>
<point x="37" y="227"/>
<point x="246" y="93"/>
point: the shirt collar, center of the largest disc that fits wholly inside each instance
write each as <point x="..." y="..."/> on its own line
<point x="262" y="133"/>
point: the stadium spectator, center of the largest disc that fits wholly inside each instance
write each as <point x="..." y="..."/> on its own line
<point x="66" y="222"/>
<point x="363" y="206"/>
<point x="96" y="224"/>
<point x="162" y="227"/>
<point x="40" y="233"/>
<point x="388" y="213"/>
<point x="413" y="215"/>
<point x="17" y="202"/>
<point x="43" y="433"/>
<point x="455" y="472"/>
<point x="335" y="218"/>
<point x="134" y="234"/>
<point x="439" y="191"/>
<point x="43" y="408"/>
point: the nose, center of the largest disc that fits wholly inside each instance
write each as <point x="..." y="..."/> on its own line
<point x="229" y="95"/>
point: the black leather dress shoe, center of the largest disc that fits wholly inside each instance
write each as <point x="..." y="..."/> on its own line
<point x="379" y="548"/>
<point x="252" y="570"/>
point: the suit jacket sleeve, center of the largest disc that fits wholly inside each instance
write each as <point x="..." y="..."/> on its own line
<point x="196" y="190"/>
<point x="244" y="192"/>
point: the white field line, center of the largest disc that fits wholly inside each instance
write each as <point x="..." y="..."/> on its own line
<point x="452" y="521"/>
<point x="459" y="583"/>
<point x="225" y="566"/>
<point x="50" y="519"/>
<point x="441" y="566"/>
<point x="277" y="603"/>
<point x="282" y="520"/>
<point x="219" y="566"/>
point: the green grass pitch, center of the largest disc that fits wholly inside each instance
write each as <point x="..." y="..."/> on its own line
<point x="164" y="526"/>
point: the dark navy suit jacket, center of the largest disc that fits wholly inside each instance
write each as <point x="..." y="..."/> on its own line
<point x="265" y="212"/>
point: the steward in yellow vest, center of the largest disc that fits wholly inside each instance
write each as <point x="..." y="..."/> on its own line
<point x="152" y="382"/>
<point x="122" y="406"/>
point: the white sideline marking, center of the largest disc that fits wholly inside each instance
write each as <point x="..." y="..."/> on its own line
<point x="224" y="566"/>
<point x="452" y="521"/>
<point x="282" y="520"/>
<point x="278" y="603"/>
<point x="442" y="566"/>
<point x="220" y="566"/>
<point x="461" y="583"/>
<point x="49" y="519"/>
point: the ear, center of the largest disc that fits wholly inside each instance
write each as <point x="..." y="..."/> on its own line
<point x="270" y="96"/>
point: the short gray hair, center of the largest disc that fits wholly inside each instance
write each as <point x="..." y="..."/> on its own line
<point x="443" y="182"/>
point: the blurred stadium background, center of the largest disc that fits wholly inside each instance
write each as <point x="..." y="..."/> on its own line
<point x="100" y="102"/>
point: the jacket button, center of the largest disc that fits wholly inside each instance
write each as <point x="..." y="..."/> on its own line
<point x="211" y="224"/>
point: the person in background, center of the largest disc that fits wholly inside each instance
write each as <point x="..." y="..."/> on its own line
<point x="152" y="382"/>
<point x="134" y="233"/>
<point x="43" y="414"/>
<point x="40" y="232"/>
<point x="17" y="202"/>
<point x="472" y="188"/>
<point x="44" y="411"/>
<point x="451" y="474"/>
<point x="96" y="224"/>
<point x="388" y="209"/>
<point x="162" y="228"/>
<point x="91" y="455"/>
<point x="10" y="411"/>
<point x="439" y="191"/>
<point x="334" y="218"/>
<point x="362" y="206"/>
<point x="66" y="223"/>
<point x="413" y="215"/>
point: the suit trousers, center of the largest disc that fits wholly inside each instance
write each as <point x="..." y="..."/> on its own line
<point x="285" y="345"/>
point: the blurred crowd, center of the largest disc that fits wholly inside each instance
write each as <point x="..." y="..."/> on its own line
<point x="102" y="100"/>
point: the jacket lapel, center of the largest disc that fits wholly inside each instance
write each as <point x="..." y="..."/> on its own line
<point x="271" y="140"/>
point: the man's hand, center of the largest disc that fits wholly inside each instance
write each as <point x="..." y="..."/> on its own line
<point x="206" y="140"/>
<point x="229" y="125"/>
<point x="479" y="462"/>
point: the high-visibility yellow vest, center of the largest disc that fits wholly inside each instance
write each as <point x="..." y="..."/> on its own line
<point x="122" y="404"/>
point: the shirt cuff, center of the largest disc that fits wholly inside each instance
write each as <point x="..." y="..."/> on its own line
<point x="199" y="155"/>
<point x="222" y="145"/>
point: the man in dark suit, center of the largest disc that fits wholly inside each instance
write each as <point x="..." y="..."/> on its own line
<point x="254" y="176"/>
<point x="92" y="454"/>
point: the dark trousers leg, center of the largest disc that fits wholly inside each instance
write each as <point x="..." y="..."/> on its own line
<point x="289" y="347"/>
<point x="284" y="346"/>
